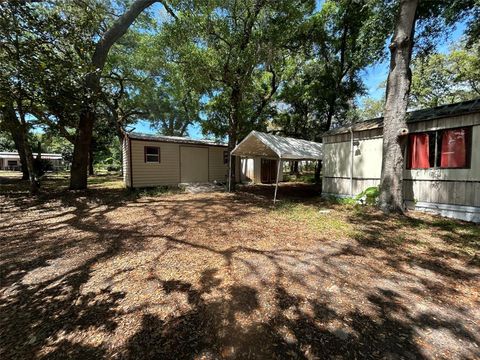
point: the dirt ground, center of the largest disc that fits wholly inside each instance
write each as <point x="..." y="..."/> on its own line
<point x="111" y="274"/>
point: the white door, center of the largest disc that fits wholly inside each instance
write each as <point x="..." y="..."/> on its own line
<point x="193" y="164"/>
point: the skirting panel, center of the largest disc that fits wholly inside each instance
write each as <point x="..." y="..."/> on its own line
<point x="467" y="213"/>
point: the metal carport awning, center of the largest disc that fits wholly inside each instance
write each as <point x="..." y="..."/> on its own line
<point x="272" y="146"/>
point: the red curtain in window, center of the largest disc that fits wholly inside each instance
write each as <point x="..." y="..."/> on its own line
<point x="454" y="154"/>
<point x="419" y="151"/>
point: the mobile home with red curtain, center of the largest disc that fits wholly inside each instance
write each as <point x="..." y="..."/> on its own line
<point x="442" y="167"/>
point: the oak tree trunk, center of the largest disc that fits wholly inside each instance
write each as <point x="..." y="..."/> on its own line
<point x="394" y="127"/>
<point x="235" y="101"/>
<point x="17" y="140"/>
<point x="21" y="153"/>
<point x="34" y="185"/>
<point x="18" y="128"/>
<point x="83" y="138"/>
<point x="23" y="131"/>
<point x="81" y="149"/>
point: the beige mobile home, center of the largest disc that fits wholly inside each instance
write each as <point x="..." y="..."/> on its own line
<point x="169" y="160"/>
<point x="442" y="167"/>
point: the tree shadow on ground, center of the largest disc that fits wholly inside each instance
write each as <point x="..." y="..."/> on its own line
<point x="210" y="330"/>
<point x="50" y="257"/>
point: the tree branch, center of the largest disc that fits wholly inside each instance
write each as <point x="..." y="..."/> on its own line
<point x="120" y="27"/>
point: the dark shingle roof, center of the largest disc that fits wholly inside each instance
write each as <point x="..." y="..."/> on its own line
<point x="461" y="108"/>
<point x="173" y="139"/>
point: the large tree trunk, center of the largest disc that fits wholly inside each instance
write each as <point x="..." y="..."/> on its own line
<point x="15" y="128"/>
<point x="395" y="126"/>
<point x="235" y="101"/>
<point x="78" y="171"/>
<point x="17" y="140"/>
<point x="34" y="185"/>
<point x="23" y="131"/>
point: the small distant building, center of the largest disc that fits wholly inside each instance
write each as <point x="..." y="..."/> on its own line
<point x="150" y="160"/>
<point x="442" y="167"/>
<point x="11" y="160"/>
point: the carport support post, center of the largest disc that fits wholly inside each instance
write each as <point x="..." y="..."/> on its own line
<point x="276" y="183"/>
<point x="230" y="173"/>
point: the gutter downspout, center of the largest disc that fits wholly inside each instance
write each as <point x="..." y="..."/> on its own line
<point x="351" y="160"/>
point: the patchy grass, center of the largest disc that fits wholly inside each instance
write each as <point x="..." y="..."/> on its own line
<point x="106" y="273"/>
<point x="315" y="217"/>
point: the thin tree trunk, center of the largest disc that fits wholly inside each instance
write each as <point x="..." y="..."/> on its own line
<point x="318" y="168"/>
<point x="330" y="112"/>
<point x="294" y="168"/>
<point x="395" y="126"/>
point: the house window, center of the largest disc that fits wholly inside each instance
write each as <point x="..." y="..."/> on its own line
<point x="12" y="162"/>
<point x="225" y="157"/>
<point x="419" y="151"/>
<point x="454" y="148"/>
<point x="152" y="154"/>
<point x="444" y="149"/>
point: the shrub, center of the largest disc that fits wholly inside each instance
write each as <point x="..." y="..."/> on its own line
<point x="369" y="196"/>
